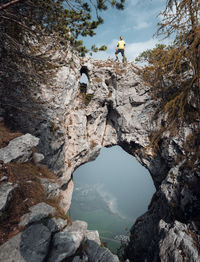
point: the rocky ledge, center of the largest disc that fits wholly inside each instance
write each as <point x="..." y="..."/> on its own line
<point x="39" y="232"/>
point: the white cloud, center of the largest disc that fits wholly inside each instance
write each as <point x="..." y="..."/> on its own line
<point x="134" y="49"/>
<point x="141" y="25"/>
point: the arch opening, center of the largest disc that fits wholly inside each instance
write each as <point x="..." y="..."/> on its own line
<point x="84" y="75"/>
<point x="110" y="193"/>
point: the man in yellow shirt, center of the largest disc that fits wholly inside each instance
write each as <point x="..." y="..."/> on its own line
<point x="120" y="48"/>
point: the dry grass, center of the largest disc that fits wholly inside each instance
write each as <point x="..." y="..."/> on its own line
<point x="29" y="192"/>
<point x="97" y="80"/>
<point x="93" y="144"/>
<point x="6" y="135"/>
<point x="109" y="94"/>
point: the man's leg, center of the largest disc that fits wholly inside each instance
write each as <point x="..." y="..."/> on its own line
<point x="123" y="57"/>
<point x="116" y="55"/>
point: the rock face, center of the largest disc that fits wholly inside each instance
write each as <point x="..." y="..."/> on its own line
<point x="74" y="121"/>
<point x="38" y="242"/>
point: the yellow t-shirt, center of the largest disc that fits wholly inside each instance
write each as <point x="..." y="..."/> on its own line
<point x="121" y="44"/>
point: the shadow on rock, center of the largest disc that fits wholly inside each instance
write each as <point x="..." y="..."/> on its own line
<point x="35" y="241"/>
<point x="32" y="244"/>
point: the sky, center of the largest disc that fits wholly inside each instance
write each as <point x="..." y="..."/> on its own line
<point x="137" y="23"/>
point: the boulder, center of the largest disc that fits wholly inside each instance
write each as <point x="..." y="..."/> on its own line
<point x="37" y="213"/>
<point x="66" y="243"/>
<point x="19" y="149"/>
<point x="178" y="243"/>
<point x="31" y="245"/>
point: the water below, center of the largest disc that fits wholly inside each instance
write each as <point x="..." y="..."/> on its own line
<point x="111" y="193"/>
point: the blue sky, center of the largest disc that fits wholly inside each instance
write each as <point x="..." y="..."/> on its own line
<point x="137" y="23"/>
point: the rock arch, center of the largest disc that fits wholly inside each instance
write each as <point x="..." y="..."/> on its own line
<point x="119" y="111"/>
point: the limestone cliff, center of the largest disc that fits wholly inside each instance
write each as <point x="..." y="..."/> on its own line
<point x="73" y="122"/>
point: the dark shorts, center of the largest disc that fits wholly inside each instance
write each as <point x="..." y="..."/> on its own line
<point x="120" y="51"/>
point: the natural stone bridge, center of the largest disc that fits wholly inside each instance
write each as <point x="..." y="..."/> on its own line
<point x="73" y="122"/>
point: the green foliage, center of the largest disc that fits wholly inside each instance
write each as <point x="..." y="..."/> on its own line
<point x="182" y="19"/>
<point x="88" y="98"/>
<point x="97" y="49"/>
<point x="150" y="55"/>
<point x="67" y="19"/>
<point x="53" y="127"/>
<point x="174" y="71"/>
<point x="83" y="88"/>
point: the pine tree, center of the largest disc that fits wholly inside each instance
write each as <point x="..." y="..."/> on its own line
<point x="174" y="71"/>
<point x="67" y="19"/>
<point x="182" y="19"/>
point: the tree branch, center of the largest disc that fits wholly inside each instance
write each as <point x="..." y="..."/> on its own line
<point x="17" y="22"/>
<point x="4" y="6"/>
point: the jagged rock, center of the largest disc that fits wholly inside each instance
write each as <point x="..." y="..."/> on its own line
<point x="66" y="243"/>
<point x="31" y="245"/>
<point x="178" y="243"/>
<point x="19" y="149"/>
<point x="96" y="253"/>
<point x="6" y="191"/>
<point x="51" y="188"/>
<point x="77" y="225"/>
<point x="37" y="213"/>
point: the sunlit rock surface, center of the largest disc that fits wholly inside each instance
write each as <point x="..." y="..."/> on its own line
<point x="73" y="122"/>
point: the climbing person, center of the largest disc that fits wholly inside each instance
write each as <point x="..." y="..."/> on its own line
<point x="120" y="49"/>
